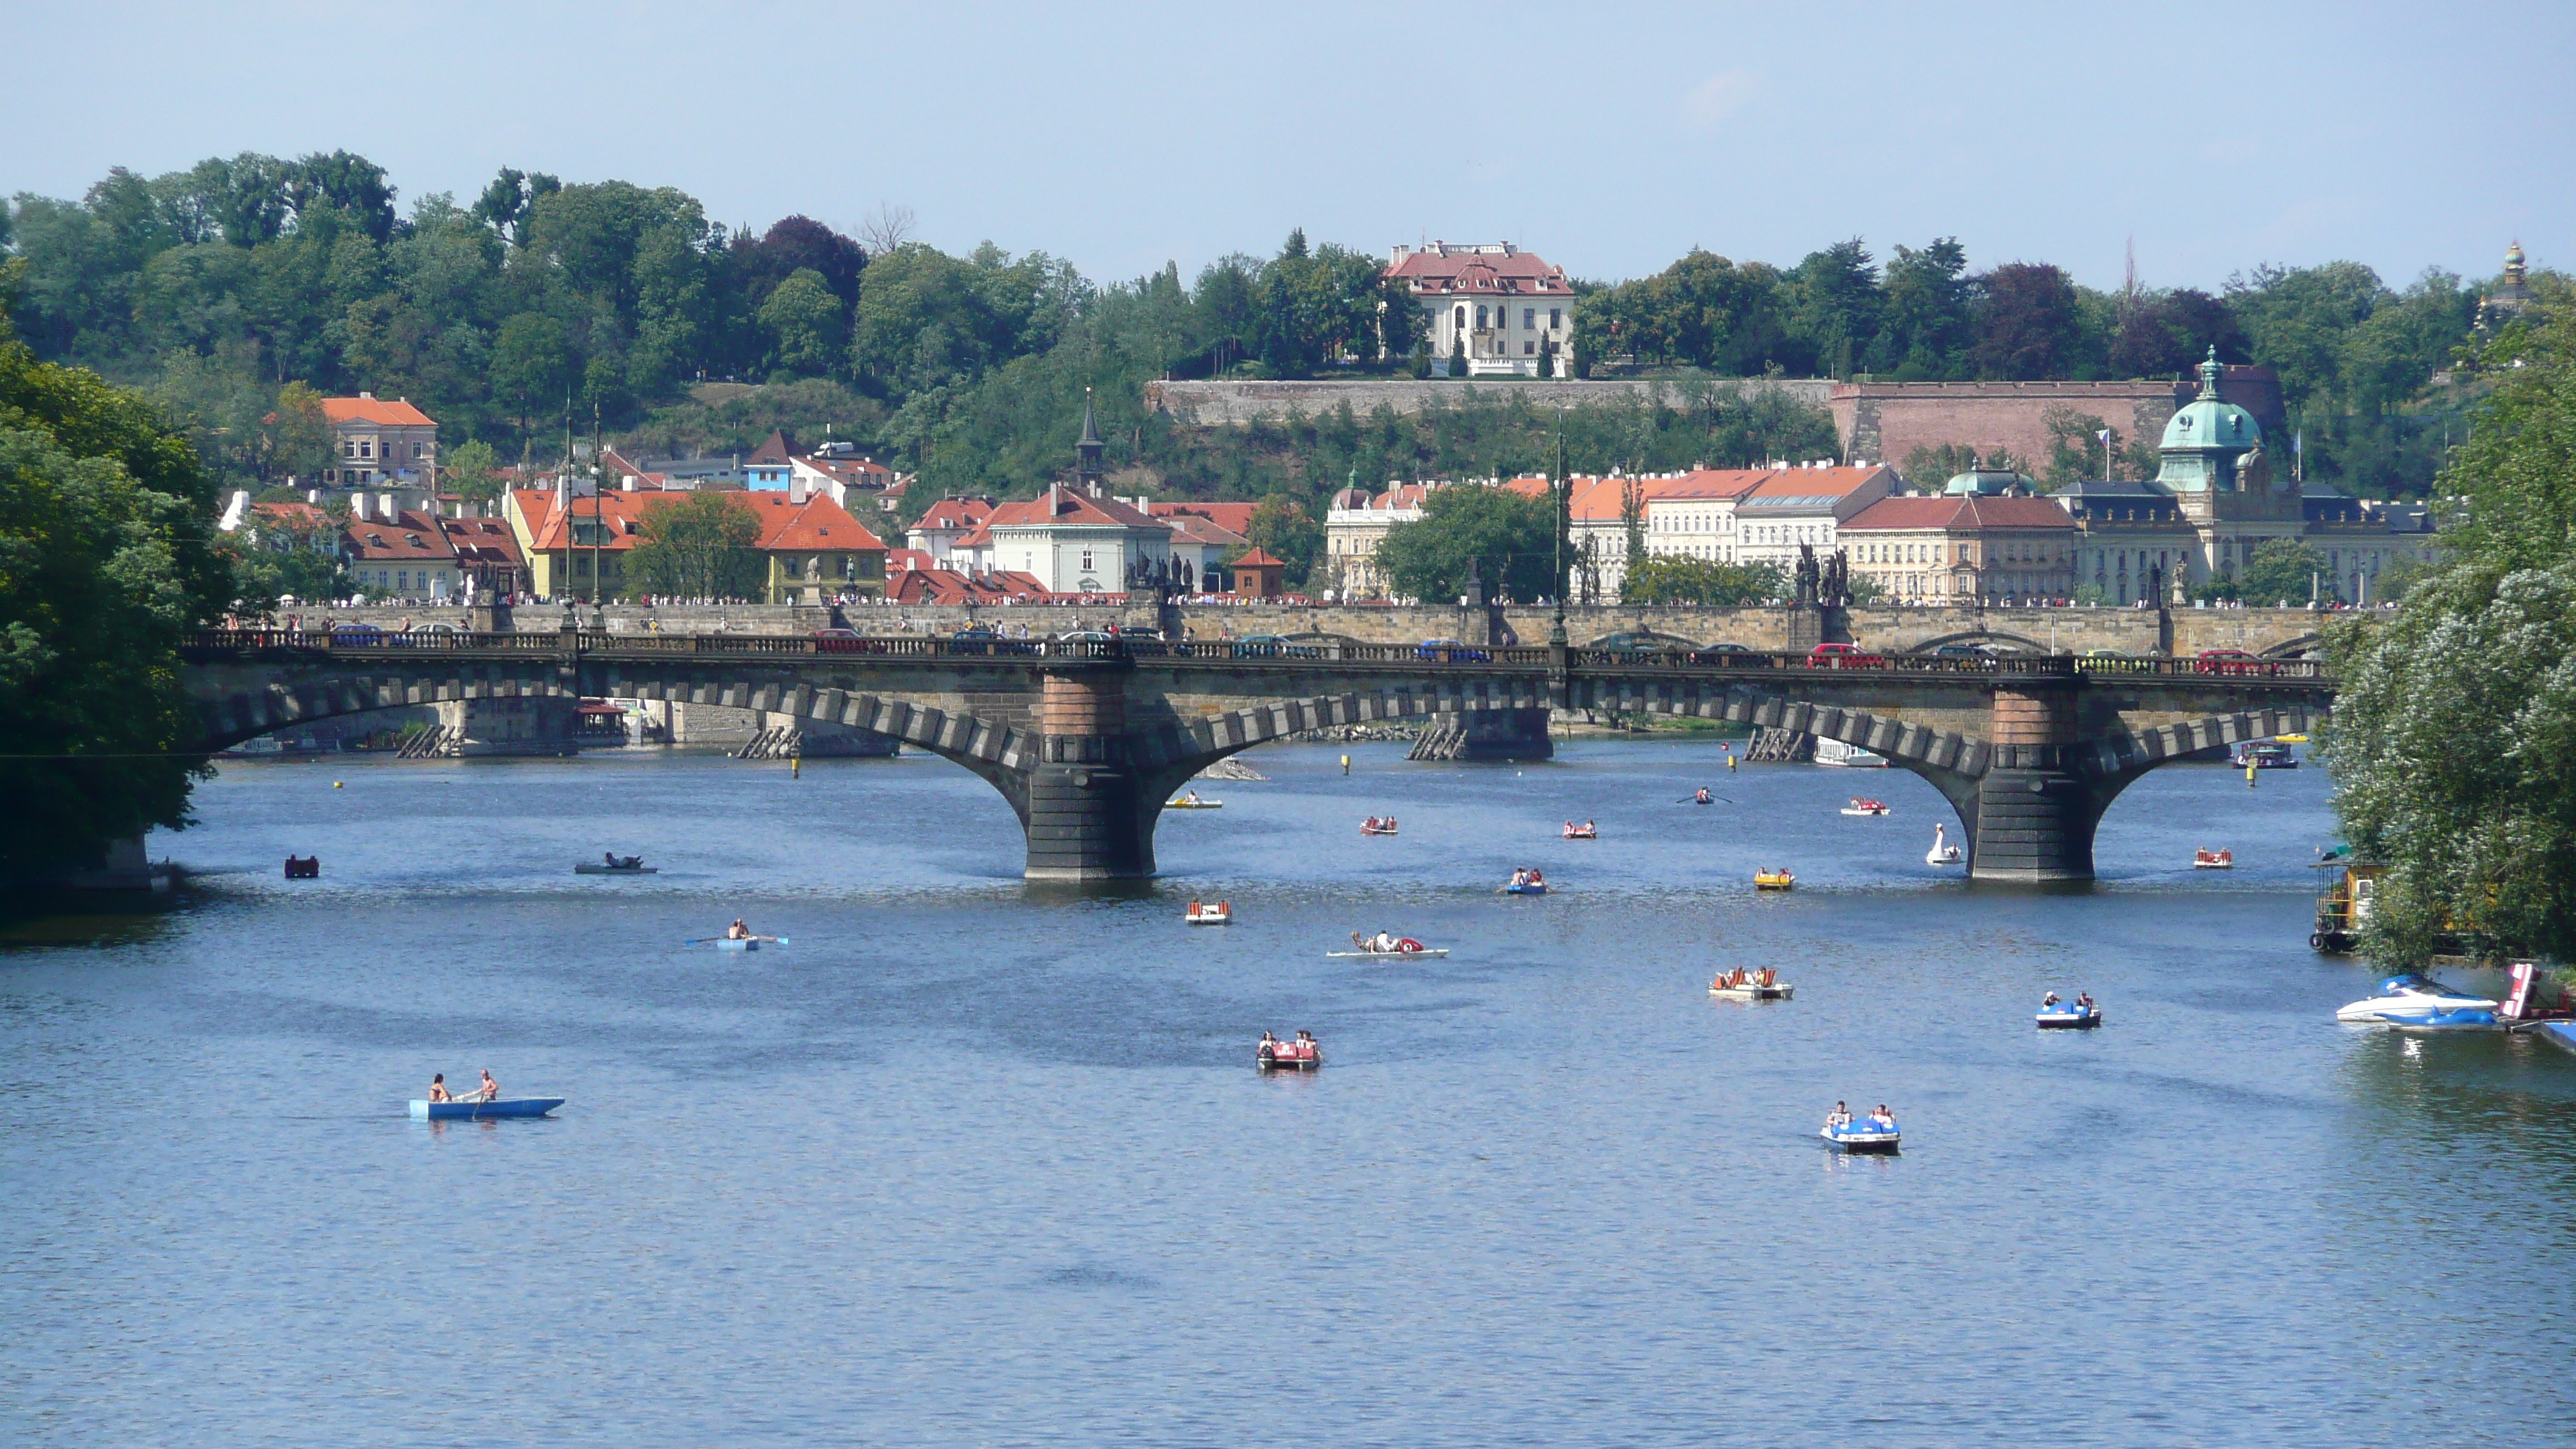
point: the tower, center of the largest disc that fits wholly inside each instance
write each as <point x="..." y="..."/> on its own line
<point x="1086" y="453"/>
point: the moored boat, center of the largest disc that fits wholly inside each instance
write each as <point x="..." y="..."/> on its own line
<point x="2413" y="1002"/>
<point x="424" y="1110"/>
<point x="2264" y="755"/>
<point x="1743" y="985"/>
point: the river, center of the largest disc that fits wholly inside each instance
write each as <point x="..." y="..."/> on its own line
<point x="971" y="1162"/>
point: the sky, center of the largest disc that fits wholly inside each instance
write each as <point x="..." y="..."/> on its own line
<point x="1608" y="139"/>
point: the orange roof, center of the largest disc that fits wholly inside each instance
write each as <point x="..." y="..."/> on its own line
<point x="368" y="408"/>
<point x="1258" y="560"/>
<point x="304" y="513"/>
<point x="954" y="586"/>
<point x="956" y="513"/>
<point x="1479" y="272"/>
<point x="622" y="512"/>
<point x="1805" y="487"/>
<point x="818" y="522"/>
<point x="486" y="540"/>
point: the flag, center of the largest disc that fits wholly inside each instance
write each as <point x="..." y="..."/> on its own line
<point x="2104" y="435"/>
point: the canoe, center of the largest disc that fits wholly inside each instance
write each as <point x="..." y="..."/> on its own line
<point x="753" y="944"/>
<point x="1385" y="955"/>
<point x="616" y="870"/>
<point x="423" y="1110"/>
<point x="1193" y="804"/>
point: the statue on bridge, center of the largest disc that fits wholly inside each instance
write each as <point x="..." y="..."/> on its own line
<point x="1809" y="578"/>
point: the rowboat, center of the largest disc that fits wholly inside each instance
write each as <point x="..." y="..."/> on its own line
<point x="616" y="870"/>
<point x="1525" y="890"/>
<point x="1773" y="880"/>
<point x="748" y="943"/>
<point x="423" y="1110"/>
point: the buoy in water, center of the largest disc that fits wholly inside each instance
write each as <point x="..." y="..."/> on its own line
<point x="335" y="784"/>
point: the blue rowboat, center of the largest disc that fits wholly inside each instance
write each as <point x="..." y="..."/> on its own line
<point x="428" y="1111"/>
<point x="1525" y="890"/>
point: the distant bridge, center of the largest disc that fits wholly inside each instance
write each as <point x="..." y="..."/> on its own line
<point x="1086" y="739"/>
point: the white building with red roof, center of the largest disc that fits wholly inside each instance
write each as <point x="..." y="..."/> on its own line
<point x="1498" y="307"/>
<point x="398" y="553"/>
<point x="1957" y="547"/>
<point x="375" y="441"/>
<point x="943" y="523"/>
<point x="1070" y="541"/>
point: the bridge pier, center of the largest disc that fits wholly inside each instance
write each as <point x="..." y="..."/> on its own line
<point x="1088" y="816"/>
<point x="2033" y="815"/>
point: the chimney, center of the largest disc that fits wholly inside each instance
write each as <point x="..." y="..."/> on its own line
<point x="358" y="507"/>
<point x="796" y="491"/>
<point x="385" y="502"/>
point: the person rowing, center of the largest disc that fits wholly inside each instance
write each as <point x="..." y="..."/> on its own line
<point x="491" y="1090"/>
<point x="438" y="1087"/>
<point x="1702" y="797"/>
<point x="737" y="931"/>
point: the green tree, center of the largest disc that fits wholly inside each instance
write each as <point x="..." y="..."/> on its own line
<point x="1511" y="538"/>
<point x="2284" y="570"/>
<point x="104" y="559"/>
<point x="1926" y="314"/>
<point x="532" y="367"/>
<point x="2028" y="323"/>
<point x="1668" y="578"/>
<point x="472" y="471"/>
<point x="803" y="320"/>
<point x="1282" y="526"/>
<point x="699" y="547"/>
<point x="2453" y="741"/>
<point x="2075" y="450"/>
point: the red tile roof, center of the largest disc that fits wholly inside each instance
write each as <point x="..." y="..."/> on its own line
<point x="1960" y="514"/>
<point x="956" y="513"/>
<point x="290" y="513"/>
<point x="1789" y="487"/>
<point x="1256" y="559"/>
<point x="953" y="586"/>
<point x="816" y="523"/>
<point x="622" y="512"/>
<point x="405" y="536"/>
<point x="1232" y="517"/>
<point x="398" y="413"/>
<point x="1430" y="273"/>
<point x="481" y="540"/>
<point x="1190" y="528"/>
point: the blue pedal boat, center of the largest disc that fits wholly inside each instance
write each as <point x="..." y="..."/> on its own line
<point x="2068" y="1016"/>
<point x="1525" y="890"/>
<point x="423" y="1110"/>
<point x="1862" y="1135"/>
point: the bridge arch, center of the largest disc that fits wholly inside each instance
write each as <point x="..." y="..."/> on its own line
<point x="2294" y="648"/>
<point x="2021" y="643"/>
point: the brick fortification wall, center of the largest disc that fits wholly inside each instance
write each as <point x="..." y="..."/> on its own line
<point x="1885" y="421"/>
<point x="1210" y="404"/>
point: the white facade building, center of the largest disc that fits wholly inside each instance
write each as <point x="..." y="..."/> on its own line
<point x="1502" y="308"/>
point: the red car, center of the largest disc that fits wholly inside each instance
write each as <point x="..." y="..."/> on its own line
<point x="845" y="641"/>
<point x="1842" y="656"/>
<point x="2232" y="661"/>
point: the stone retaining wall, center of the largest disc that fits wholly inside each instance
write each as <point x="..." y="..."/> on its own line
<point x="1213" y="404"/>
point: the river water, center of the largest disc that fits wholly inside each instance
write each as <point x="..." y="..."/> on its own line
<point x="975" y="1163"/>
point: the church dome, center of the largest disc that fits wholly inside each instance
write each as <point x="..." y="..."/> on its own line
<point x="1981" y="483"/>
<point x="2209" y="421"/>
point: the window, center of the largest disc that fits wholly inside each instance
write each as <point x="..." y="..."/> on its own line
<point x="420" y="450"/>
<point x="348" y="448"/>
<point x="1529" y="317"/>
<point x="1528" y="348"/>
<point x="367" y="448"/>
<point x="1086" y="560"/>
<point x="1553" y="316"/>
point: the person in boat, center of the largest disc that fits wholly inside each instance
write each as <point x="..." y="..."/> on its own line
<point x="1269" y="1046"/>
<point x="438" y="1087"/>
<point x="610" y="858"/>
<point x="737" y="931"/>
<point x="1882" y="1118"/>
<point x="1384" y="940"/>
<point x="1702" y="797"/>
<point x="1535" y="878"/>
<point x="1189" y="797"/>
<point x="2084" y="1000"/>
<point x="1520" y="877"/>
<point x="1840" y="1116"/>
<point x="1590" y="829"/>
<point x="2048" y="1001"/>
<point x="491" y="1090"/>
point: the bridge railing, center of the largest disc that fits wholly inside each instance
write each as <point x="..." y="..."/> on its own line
<point x="367" y="640"/>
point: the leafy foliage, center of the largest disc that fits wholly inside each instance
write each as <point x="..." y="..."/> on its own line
<point x="1509" y="537"/>
<point x="698" y="547"/>
<point x="104" y="559"/>
<point x="1666" y="578"/>
<point x="2453" y="741"/>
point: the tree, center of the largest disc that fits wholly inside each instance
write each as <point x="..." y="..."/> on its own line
<point x="2027" y="327"/>
<point x="2284" y="570"/>
<point x="1926" y="320"/>
<point x="2165" y="334"/>
<point x="699" y="547"/>
<point x="2453" y="741"/>
<point x="472" y="471"/>
<point x="1510" y="537"/>
<point x="532" y="368"/>
<point x="1834" y="301"/>
<point x="803" y="320"/>
<point x="2075" y="449"/>
<point x="1671" y="578"/>
<point x="104" y="559"/>
<point x="1282" y="526"/>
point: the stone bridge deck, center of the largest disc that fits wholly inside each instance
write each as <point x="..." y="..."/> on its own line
<point x="1086" y="738"/>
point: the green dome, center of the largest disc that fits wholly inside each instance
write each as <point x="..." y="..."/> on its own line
<point x="1981" y="483"/>
<point x="2209" y="422"/>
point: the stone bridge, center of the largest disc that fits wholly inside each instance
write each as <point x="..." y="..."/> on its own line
<point x="1087" y="739"/>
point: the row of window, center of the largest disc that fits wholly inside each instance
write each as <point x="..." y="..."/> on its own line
<point x="366" y="448"/>
<point x="1487" y="317"/>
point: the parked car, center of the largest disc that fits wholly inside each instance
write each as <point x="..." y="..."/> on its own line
<point x="1963" y="651"/>
<point x="1635" y="644"/>
<point x="1270" y="646"/>
<point x="1733" y="655"/>
<point x="845" y="641"/>
<point x="1452" y="651"/>
<point x="2232" y="661"/>
<point x="1086" y="636"/>
<point x="1842" y="656"/>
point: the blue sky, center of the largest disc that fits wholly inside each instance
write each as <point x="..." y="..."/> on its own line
<point x="1610" y="140"/>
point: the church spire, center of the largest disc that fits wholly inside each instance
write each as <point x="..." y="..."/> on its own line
<point x="2209" y="371"/>
<point x="1087" y="452"/>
